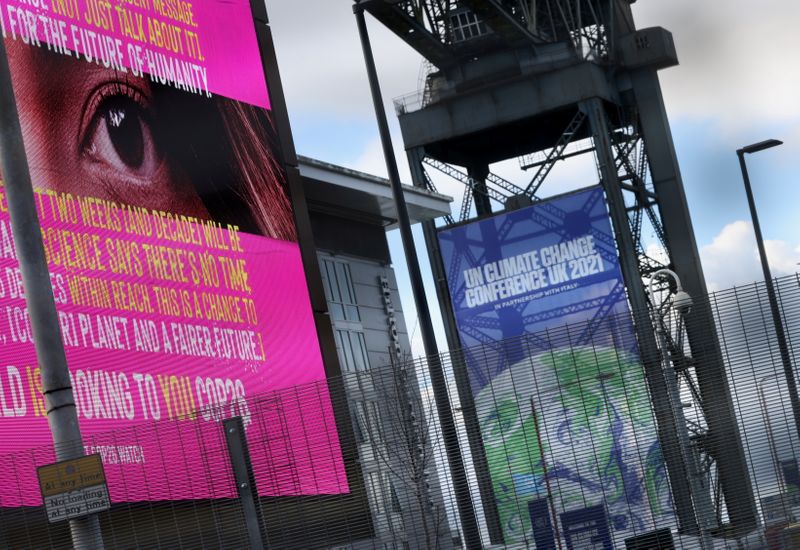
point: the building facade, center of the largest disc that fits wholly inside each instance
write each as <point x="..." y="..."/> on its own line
<point x="397" y="453"/>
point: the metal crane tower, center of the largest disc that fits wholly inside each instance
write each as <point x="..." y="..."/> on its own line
<point x="541" y="81"/>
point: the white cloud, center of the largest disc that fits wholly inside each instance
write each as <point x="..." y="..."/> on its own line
<point x="783" y="259"/>
<point x="737" y="61"/>
<point x="372" y="161"/>
<point x="657" y="253"/>
<point x="321" y="62"/>
<point x="732" y="258"/>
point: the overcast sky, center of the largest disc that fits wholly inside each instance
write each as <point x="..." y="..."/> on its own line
<point x="738" y="82"/>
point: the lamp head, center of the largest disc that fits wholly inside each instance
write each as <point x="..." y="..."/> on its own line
<point x="760" y="146"/>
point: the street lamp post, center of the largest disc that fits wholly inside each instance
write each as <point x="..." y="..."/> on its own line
<point x="701" y="498"/>
<point x="466" y="511"/>
<point x="62" y="415"/>
<point x="780" y="333"/>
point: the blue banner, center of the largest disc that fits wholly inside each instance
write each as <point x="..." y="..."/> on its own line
<point x="563" y="411"/>
<point x="524" y="272"/>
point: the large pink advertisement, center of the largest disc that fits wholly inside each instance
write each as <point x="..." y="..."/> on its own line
<point x="203" y="47"/>
<point x="170" y="237"/>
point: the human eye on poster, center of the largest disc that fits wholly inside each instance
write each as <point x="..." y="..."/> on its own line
<point x="169" y="232"/>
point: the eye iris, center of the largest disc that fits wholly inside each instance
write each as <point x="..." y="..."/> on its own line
<point x="125" y="132"/>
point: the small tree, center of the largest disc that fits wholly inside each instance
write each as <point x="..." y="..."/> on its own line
<point x="408" y="450"/>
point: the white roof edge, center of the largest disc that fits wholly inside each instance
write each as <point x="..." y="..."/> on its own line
<point x="355" y="179"/>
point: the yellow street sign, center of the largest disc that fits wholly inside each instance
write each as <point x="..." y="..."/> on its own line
<point x="71" y="475"/>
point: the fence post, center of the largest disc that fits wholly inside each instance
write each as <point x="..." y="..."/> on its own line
<point x="245" y="481"/>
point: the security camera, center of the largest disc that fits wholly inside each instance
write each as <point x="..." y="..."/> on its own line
<point x="682" y="302"/>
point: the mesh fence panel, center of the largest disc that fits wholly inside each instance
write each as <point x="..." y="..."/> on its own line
<point x="560" y="441"/>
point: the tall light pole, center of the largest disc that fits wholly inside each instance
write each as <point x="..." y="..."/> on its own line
<point x="62" y="415"/>
<point x="700" y="494"/>
<point x="466" y="511"/>
<point x="780" y="333"/>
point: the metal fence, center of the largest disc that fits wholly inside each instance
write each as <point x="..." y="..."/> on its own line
<point x="557" y="430"/>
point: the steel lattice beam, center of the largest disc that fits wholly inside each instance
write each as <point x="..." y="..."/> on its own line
<point x="638" y="157"/>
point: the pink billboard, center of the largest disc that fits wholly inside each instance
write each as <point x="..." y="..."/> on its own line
<point x="206" y="47"/>
<point x="169" y="232"/>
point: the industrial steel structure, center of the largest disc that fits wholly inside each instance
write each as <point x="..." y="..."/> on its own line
<point x="542" y="81"/>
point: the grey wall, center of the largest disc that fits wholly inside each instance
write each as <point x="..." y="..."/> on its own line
<point x="363" y="247"/>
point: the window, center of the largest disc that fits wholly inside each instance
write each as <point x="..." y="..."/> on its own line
<point x="352" y="350"/>
<point x="465" y="25"/>
<point x="382" y="490"/>
<point x="367" y="423"/>
<point x="340" y="291"/>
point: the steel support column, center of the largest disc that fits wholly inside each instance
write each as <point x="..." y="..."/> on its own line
<point x="726" y="445"/>
<point x="645" y="333"/>
<point x="483" y="206"/>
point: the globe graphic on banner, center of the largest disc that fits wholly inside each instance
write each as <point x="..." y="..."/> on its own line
<point x="598" y="440"/>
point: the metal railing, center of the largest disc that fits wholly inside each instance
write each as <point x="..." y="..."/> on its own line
<point x="567" y="439"/>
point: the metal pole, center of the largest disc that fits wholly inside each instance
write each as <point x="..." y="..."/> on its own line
<point x="466" y="512"/>
<point x="62" y="415"/>
<point x="245" y="480"/>
<point x="783" y="346"/>
<point x="550" y="500"/>
<point x="465" y="397"/>
<point x="703" y="509"/>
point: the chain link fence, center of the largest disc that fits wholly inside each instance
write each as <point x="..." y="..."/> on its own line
<point x="559" y="435"/>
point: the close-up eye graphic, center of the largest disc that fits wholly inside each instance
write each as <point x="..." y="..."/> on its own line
<point x="118" y="135"/>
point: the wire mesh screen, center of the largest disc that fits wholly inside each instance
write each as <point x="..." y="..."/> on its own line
<point x="562" y="444"/>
